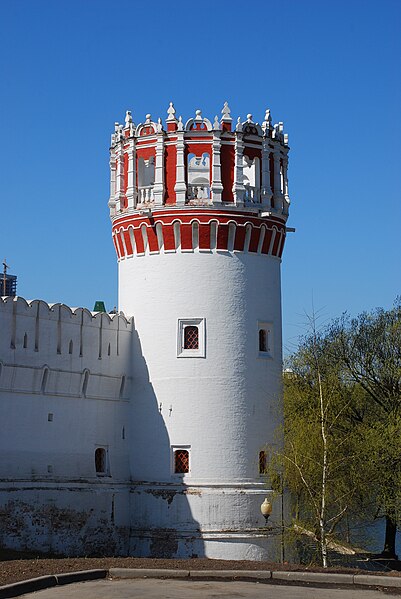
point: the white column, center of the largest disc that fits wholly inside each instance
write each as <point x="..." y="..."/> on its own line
<point x="112" y="201"/>
<point x="217" y="186"/>
<point x="238" y="187"/>
<point x="119" y="193"/>
<point x="285" y="182"/>
<point x="180" y="187"/>
<point x="158" y="188"/>
<point x="277" y="195"/>
<point x="266" y="194"/>
<point x="132" y="192"/>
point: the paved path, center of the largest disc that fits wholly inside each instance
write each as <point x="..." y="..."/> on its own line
<point x="182" y="589"/>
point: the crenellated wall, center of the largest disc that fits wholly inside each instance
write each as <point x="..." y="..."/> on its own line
<point x="64" y="393"/>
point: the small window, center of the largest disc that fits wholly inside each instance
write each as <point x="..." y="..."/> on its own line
<point x="262" y="462"/>
<point x="70" y="347"/>
<point x="262" y="340"/>
<point x="265" y="339"/>
<point x="100" y="461"/>
<point x="25" y="343"/>
<point x="191" y="337"/>
<point x="181" y="461"/>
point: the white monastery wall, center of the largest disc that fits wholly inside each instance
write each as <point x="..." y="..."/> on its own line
<point x="64" y="391"/>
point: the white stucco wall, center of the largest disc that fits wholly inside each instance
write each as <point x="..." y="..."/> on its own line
<point x="225" y="406"/>
<point x="56" y="407"/>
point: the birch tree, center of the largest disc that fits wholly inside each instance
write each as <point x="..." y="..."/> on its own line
<point x="322" y="457"/>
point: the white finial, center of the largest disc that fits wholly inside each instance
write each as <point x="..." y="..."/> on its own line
<point x="148" y="117"/>
<point x="171" y="112"/>
<point x="249" y="118"/>
<point x="216" y="124"/>
<point x="159" y="125"/>
<point x="180" y="126"/>
<point x="239" y="125"/>
<point x="198" y="114"/>
<point x="116" y="125"/>
<point x="281" y="127"/>
<point x="226" y="112"/>
<point x="266" y="125"/>
<point x="128" y="118"/>
<point x="286" y="139"/>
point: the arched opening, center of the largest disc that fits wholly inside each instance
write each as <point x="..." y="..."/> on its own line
<point x="262" y="462"/>
<point x="25" y="342"/>
<point x="198" y="172"/>
<point x="70" y="347"/>
<point x="146" y="179"/>
<point x="181" y="461"/>
<point x="251" y="179"/>
<point x="100" y="460"/>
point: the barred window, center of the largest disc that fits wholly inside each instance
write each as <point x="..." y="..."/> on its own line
<point x="181" y="461"/>
<point x="262" y="462"/>
<point x="191" y="337"/>
<point x="262" y="340"/>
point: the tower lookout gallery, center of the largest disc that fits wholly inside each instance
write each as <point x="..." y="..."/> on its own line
<point x="148" y="428"/>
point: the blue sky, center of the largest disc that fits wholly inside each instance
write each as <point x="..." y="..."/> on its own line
<point x="329" y="70"/>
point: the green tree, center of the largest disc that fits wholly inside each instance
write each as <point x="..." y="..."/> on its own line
<point x="321" y="461"/>
<point x="368" y="349"/>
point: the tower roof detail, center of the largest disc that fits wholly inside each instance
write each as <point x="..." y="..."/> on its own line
<point x="199" y="162"/>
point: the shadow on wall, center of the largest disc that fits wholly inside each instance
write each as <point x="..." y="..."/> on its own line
<point x="161" y="520"/>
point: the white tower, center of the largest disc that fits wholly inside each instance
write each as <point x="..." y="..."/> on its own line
<point x="198" y="214"/>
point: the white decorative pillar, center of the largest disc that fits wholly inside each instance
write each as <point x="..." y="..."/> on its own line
<point x="238" y="187"/>
<point x="112" y="201"/>
<point x="132" y="192"/>
<point x="266" y="194"/>
<point x="119" y="194"/>
<point x="277" y="194"/>
<point x="158" y="189"/>
<point x="180" y="186"/>
<point x="217" y="186"/>
<point x="285" y="185"/>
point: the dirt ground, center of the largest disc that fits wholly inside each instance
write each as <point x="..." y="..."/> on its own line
<point x="15" y="567"/>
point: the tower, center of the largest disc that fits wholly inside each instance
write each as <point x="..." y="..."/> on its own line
<point x="198" y="214"/>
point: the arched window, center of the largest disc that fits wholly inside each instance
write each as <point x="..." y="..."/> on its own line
<point x="181" y="461"/>
<point x="25" y="343"/>
<point x="198" y="177"/>
<point x="262" y="462"/>
<point x="262" y="340"/>
<point x="100" y="460"/>
<point x="70" y="347"/>
<point x="191" y="337"/>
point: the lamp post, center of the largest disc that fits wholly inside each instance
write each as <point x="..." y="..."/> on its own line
<point x="266" y="508"/>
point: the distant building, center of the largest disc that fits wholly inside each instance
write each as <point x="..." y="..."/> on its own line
<point x="9" y="285"/>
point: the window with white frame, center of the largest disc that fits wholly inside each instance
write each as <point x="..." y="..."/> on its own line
<point x="265" y="339"/>
<point x="191" y="338"/>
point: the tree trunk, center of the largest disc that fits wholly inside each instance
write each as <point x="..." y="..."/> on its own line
<point x="389" y="542"/>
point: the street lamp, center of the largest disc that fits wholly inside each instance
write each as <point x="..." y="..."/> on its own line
<point x="266" y="508"/>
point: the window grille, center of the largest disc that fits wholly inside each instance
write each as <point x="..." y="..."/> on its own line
<point x="262" y="340"/>
<point x="191" y="337"/>
<point x="262" y="462"/>
<point x="100" y="460"/>
<point x="181" y="461"/>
